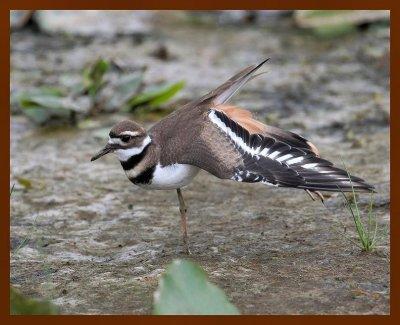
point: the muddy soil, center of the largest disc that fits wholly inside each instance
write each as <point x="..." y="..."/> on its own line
<point x="92" y="243"/>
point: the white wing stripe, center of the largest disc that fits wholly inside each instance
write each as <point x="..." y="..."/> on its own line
<point x="283" y="158"/>
<point x="238" y="141"/>
<point x="274" y="154"/>
<point x="309" y="166"/>
<point x="295" y="160"/>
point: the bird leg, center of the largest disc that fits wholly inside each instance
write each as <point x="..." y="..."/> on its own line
<point x="310" y="194"/>
<point x="183" y="211"/>
<point x="318" y="193"/>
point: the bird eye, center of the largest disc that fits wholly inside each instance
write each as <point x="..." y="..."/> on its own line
<point x="125" y="138"/>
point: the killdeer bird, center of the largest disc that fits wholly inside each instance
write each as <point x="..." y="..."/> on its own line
<point x="225" y="141"/>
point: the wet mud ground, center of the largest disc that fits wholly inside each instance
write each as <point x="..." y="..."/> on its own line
<point x="92" y="243"/>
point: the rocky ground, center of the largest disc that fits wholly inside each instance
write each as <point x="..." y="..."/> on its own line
<point x="88" y="240"/>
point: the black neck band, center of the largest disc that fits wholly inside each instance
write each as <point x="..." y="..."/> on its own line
<point x="135" y="159"/>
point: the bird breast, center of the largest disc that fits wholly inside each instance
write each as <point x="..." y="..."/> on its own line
<point x="171" y="177"/>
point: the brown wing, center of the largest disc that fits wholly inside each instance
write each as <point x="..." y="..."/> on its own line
<point x="246" y="120"/>
<point x="277" y="157"/>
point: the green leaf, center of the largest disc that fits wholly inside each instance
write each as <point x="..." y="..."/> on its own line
<point x="167" y="93"/>
<point x="185" y="290"/>
<point x="45" y="90"/>
<point x="329" y="31"/>
<point x="38" y="115"/>
<point x="93" y="76"/>
<point x="20" y="305"/>
<point x="43" y="104"/>
<point x="156" y="96"/>
<point x="47" y="101"/>
<point x="26" y="183"/>
<point x="125" y="89"/>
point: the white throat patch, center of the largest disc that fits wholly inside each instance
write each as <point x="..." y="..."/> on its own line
<point x="125" y="154"/>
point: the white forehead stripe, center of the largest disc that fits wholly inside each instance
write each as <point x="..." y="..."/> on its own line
<point x="119" y="141"/>
<point x="125" y="154"/>
<point x="131" y="133"/>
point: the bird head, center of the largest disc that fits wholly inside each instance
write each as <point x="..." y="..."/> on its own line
<point x="126" y="139"/>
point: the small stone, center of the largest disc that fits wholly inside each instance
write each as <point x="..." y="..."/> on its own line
<point x="162" y="53"/>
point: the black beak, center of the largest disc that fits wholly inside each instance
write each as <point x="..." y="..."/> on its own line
<point x="107" y="149"/>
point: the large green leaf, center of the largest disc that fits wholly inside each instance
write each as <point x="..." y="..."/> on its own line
<point x="20" y="305"/>
<point x="38" y="115"/>
<point x="185" y="290"/>
<point x="156" y="95"/>
<point x="43" y="104"/>
<point x="44" y="90"/>
<point x="125" y="89"/>
<point x="48" y="101"/>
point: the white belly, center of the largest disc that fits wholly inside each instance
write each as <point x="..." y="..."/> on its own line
<point x="171" y="177"/>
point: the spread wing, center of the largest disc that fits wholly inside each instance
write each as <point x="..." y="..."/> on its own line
<point x="227" y="142"/>
<point x="276" y="157"/>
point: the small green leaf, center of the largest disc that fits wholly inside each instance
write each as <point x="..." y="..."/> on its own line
<point x="26" y="183"/>
<point x="185" y="290"/>
<point x="20" y="305"/>
<point x="167" y="93"/>
<point x="156" y="96"/>
<point x="93" y="76"/>
<point x="329" y="31"/>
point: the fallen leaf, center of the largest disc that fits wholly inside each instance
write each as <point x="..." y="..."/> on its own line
<point x="185" y="290"/>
